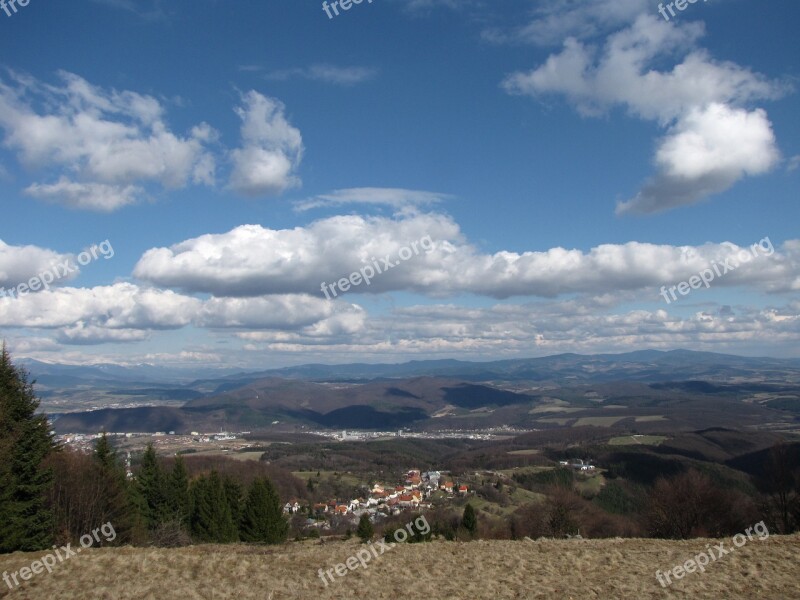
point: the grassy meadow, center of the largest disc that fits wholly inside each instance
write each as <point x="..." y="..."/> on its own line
<point x="576" y="569"/>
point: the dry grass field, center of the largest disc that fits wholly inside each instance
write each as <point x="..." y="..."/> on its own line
<point x="578" y="569"/>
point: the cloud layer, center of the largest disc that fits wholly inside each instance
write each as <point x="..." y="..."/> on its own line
<point x="259" y="289"/>
<point x="252" y="260"/>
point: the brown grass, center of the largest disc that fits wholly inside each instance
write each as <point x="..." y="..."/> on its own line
<point x="602" y="569"/>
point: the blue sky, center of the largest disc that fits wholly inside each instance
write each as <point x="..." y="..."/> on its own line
<point x="558" y="161"/>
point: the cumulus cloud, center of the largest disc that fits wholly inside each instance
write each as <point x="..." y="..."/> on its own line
<point x="126" y="312"/>
<point x="251" y="260"/>
<point x="272" y="149"/>
<point x="706" y="152"/>
<point x="700" y="101"/>
<point x="89" y="196"/>
<point x="270" y="312"/>
<point x="108" y="147"/>
<point x="106" y="142"/>
<point x="118" y="306"/>
<point x="18" y="264"/>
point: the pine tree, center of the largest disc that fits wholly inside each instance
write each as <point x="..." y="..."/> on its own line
<point x="115" y="505"/>
<point x="211" y="519"/>
<point x="365" y="530"/>
<point x="104" y="452"/>
<point x="469" y="521"/>
<point x="25" y="521"/>
<point x="177" y="487"/>
<point x="150" y="481"/>
<point x="233" y="495"/>
<point x="262" y="518"/>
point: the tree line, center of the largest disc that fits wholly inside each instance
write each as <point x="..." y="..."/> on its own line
<point x="50" y="494"/>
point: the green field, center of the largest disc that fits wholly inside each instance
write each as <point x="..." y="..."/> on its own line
<point x="592" y="484"/>
<point x="346" y="478"/>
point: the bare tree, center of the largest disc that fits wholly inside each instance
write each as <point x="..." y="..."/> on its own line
<point x="688" y="505"/>
<point x="780" y="482"/>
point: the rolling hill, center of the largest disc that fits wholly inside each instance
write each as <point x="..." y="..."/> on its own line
<point x="645" y="391"/>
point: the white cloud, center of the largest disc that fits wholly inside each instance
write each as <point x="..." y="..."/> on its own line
<point x="125" y="312"/>
<point x="398" y="199"/>
<point x="88" y="335"/>
<point x="18" y="264"/>
<point x="706" y="152"/>
<point x="624" y="74"/>
<point x="586" y="325"/>
<point x="272" y="149"/>
<point x="325" y="73"/>
<point x="118" y="306"/>
<point x="700" y="100"/>
<point x="106" y="142"/>
<point x="28" y="345"/>
<point x="251" y="260"/>
<point x="555" y="20"/>
<point x="88" y="196"/>
<point x="108" y="147"/>
<point x="270" y="312"/>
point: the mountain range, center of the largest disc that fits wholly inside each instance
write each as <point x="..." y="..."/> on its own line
<point x="680" y="389"/>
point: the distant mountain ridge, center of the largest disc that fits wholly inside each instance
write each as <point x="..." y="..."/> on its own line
<point x="677" y="388"/>
<point x="639" y="364"/>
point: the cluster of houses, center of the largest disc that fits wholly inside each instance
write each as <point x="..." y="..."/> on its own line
<point x="414" y="494"/>
<point x="578" y="464"/>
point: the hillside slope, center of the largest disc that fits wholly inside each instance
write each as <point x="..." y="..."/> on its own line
<point x="618" y="569"/>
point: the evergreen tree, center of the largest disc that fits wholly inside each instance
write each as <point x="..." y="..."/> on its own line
<point x="151" y="484"/>
<point x="210" y="518"/>
<point x="469" y="521"/>
<point x="177" y="497"/>
<point x="104" y="452"/>
<point x="365" y="530"/>
<point x="262" y="518"/>
<point x="233" y="495"/>
<point x="25" y="521"/>
<point x="114" y="502"/>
